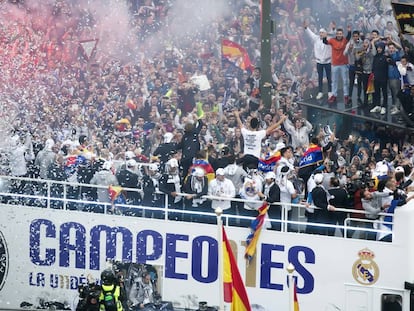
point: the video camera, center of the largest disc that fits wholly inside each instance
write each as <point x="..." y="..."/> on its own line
<point x="88" y="297"/>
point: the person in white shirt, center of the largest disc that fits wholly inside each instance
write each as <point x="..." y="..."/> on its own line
<point x="322" y="54"/>
<point x="253" y="137"/>
<point x="222" y="187"/>
<point x="287" y="191"/>
<point x="299" y="131"/>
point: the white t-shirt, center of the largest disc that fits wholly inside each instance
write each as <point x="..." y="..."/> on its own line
<point x="253" y="141"/>
<point x="286" y="192"/>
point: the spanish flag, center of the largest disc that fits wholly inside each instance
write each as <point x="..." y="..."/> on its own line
<point x="114" y="192"/>
<point x="235" y="54"/>
<point x="295" y="298"/>
<point x="256" y="228"/>
<point x="234" y="290"/>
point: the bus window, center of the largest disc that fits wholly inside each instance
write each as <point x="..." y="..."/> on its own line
<point x="391" y="302"/>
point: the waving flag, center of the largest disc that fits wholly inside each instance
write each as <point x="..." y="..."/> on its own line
<point x="115" y="193"/>
<point x="256" y="228"/>
<point x="370" y="87"/>
<point x="268" y="163"/>
<point x="235" y="54"/>
<point x="311" y="156"/>
<point x="208" y="169"/>
<point x="234" y="290"/>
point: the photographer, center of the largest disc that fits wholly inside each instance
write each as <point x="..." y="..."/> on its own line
<point x="88" y="297"/>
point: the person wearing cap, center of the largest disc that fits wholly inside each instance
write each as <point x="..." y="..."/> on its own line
<point x="322" y="54"/>
<point x="196" y="186"/>
<point x="165" y="150"/>
<point x="152" y="196"/>
<point x="128" y="178"/>
<point x="170" y="184"/>
<point x="222" y="187"/>
<point x="323" y="213"/>
<point x="271" y="194"/>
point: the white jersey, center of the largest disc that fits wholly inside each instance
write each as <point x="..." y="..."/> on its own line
<point x="223" y="188"/>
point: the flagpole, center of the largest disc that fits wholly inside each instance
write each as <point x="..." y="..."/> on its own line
<point x="290" y="269"/>
<point x="219" y="212"/>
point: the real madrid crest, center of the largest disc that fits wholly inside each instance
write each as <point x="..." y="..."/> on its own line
<point x="365" y="270"/>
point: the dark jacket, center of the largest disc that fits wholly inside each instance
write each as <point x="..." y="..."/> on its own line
<point x="380" y="67"/>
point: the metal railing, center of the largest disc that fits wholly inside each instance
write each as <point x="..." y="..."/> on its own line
<point x="42" y="193"/>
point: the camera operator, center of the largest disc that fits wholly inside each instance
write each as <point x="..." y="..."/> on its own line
<point x="355" y="187"/>
<point x="109" y="296"/>
<point x="142" y="294"/>
<point x="88" y="297"/>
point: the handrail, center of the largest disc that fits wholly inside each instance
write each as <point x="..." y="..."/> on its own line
<point x="109" y="207"/>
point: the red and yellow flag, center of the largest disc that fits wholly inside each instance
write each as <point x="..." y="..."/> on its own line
<point x="236" y="55"/>
<point x="295" y="299"/>
<point x="114" y="192"/>
<point x="234" y="290"/>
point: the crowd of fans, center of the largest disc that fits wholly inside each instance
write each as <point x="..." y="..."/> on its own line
<point x="91" y="115"/>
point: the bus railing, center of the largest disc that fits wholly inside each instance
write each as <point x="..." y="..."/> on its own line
<point x="38" y="193"/>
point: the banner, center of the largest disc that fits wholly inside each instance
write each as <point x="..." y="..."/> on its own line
<point x="311" y="156"/>
<point x="404" y="15"/>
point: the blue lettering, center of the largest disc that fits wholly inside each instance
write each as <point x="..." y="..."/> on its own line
<point x="171" y="254"/>
<point x="267" y="265"/>
<point x="308" y="280"/>
<point x="35" y="250"/>
<point x="37" y="279"/>
<point x="111" y="237"/>
<point x="54" y="280"/>
<point x="197" y="259"/>
<point x="78" y="246"/>
<point x="142" y="243"/>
